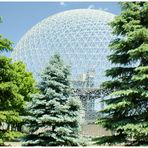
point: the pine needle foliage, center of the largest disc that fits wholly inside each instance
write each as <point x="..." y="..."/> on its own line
<point x="126" y="112"/>
<point x="54" y="113"/>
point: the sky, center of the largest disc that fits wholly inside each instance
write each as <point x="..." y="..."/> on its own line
<point x="19" y="17"/>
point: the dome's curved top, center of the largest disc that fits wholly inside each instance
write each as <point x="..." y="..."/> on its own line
<point x="81" y="36"/>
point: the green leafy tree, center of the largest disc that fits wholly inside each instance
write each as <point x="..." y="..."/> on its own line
<point x="15" y="87"/>
<point x="26" y="86"/>
<point x="126" y="111"/>
<point x="54" y="115"/>
<point x="5" y="44"/>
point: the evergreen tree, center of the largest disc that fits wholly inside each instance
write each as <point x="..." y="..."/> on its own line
<point x="126" y="113"/>
<point x="54" y="115"/>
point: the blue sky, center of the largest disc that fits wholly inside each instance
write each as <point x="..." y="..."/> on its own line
<point x="19" y="17"/>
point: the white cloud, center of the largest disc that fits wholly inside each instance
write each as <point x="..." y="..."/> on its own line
<point x="62" y="3"/>
<point x="91" y="6"/>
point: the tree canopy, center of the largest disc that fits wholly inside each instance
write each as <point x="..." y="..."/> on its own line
<point x="5" y="44"/>
<point x="16" y="85"/>
<point x="126" y="111"/>
<point x="54" y="114"/>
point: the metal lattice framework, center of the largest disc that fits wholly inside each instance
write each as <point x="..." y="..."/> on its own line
<point x="80" y="36"/>
<point x="88" y="97"/>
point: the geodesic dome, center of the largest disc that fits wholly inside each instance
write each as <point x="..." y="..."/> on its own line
<point x="80" y="36"/>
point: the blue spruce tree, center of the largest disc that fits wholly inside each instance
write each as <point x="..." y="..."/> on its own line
<point x="54" y="114"/>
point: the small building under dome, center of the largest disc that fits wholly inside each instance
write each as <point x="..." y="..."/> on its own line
<point x="81" y="37"/>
